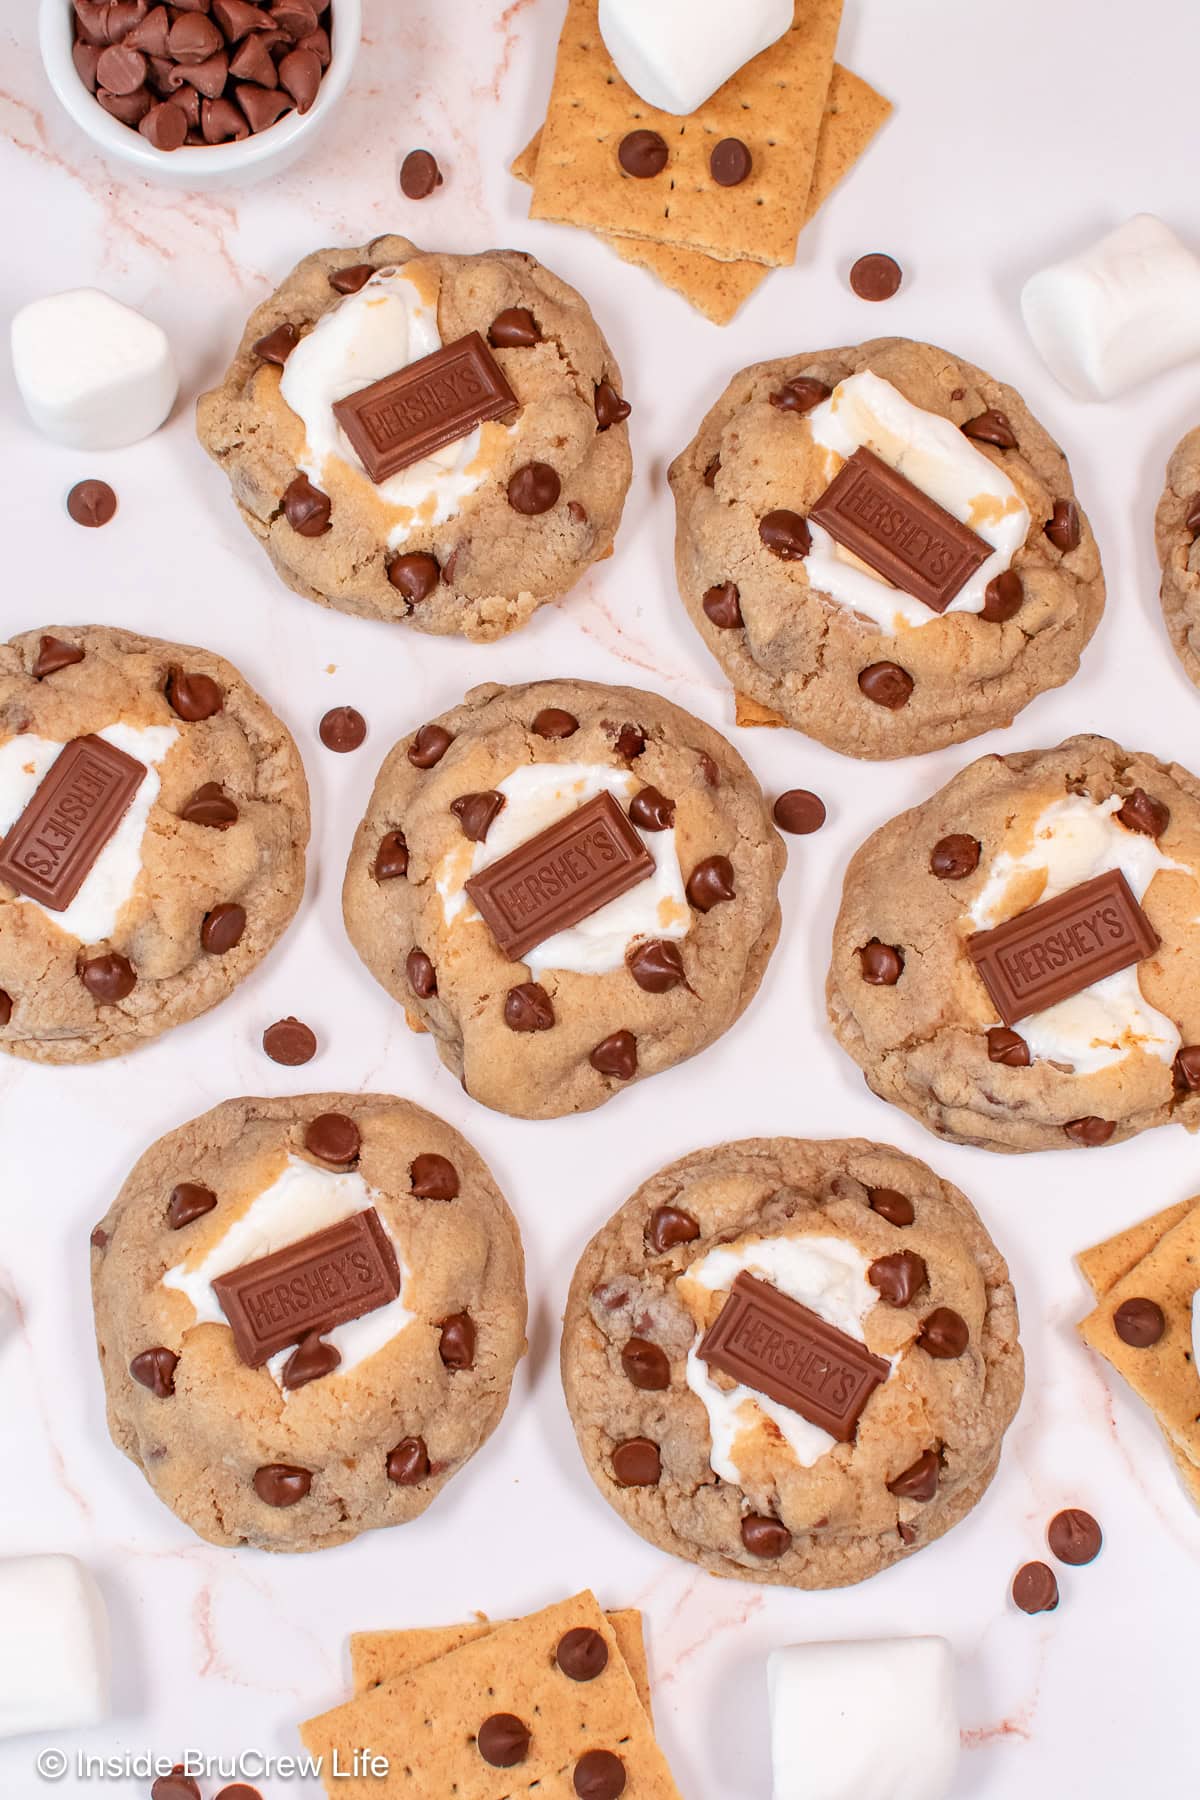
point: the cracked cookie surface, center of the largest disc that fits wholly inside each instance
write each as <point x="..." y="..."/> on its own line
<point x="233" y="1450"/>
<point x="649" y="979"/>
<point x="204" y="871"/>
<point x="792" y="1506"/>
<point x="472" y="562"/>
<point x="1096" y="1069"/>
<point x="814" y="660"/>
<point x="1176" y="528"/>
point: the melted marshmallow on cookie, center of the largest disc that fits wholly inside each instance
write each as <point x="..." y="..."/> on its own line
<point x="26" y="760"/>
<point x="1075" y="839"/>
<point x="865" y="411"/>
<point x="537" y="796"/>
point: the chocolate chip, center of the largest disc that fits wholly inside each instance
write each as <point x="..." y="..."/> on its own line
<point x="306" y="509"/>
<point x="722" y="606"/>
<point x="193" y="697"/>
<point x="175" y="1786"/>
<point x="262" y="106"/>
<point x="637" y="1463"/>
<point x="92" y="503"/>
<point x="711" y="883"/>
<point x="342" y="729"/>
<point x="222" y="928"/>
<point x="886" y="684"/>
<point x="456" y="1345"/>
<point x="514" y="329"/>
<point x="211" y="807"/>
<point x="642" y="154"/>
<point x="189" y="1201"/>
<point x="151" y="33"/>
<point x="193" y="38"/>
<point x="646" y="1365"/>
<point x="53" y="655"/>
<point x="165" y="126"/>
<point x="131" y="109"/>
<point x="765" y="1537"/>
<point x="296" y="18"/>
<point x="6" y="1007"/>
<point x="503" y="1740"/>
<point x="944" y="1334"/>
<point x="582" y="1654"/>
<point x="799" y="811"/>
<point x="1034" y="1588"/>
<point x="429" y="746"/>
<point x="1142" y="812"/>
<point x="290" y="1042"/>
<point x="709" y="769"/>
<point x="599" y="1775"/>
<point x="391" y="858"/>
<point x="419" y="175"/>
<point x="730" y="162"/>
<point x="108" y="978"/>
<point x="278" y="345"/>
<point x="616" y="1055"/>
<point x="155" y="1369"/>
<point x="800" y="394"/>
<point x="630" y="742"/>
<point x="533" y="489"/>
<point x="712" y="469"/>
<point x="652" y="811"/>
<point x="1187" y="1069"/>
<point x="786" y="535"/>
<point x="955" y="857"/>
<point x="281" y="1484"/>
<point x="1139" y="1323"/>
<point x="477" y="813"/>
<point x="1007" y="1047"/>
<point x="1063" y="527"/>
<point x="333" y="1138"/>
<point x="350" y="280"/>
<point x="408" y="1463"/>
<point x="905" y="1532"/>
<point x="433" y="1177"/>
<point x="898" y="1277"/>
<point x="1074" y="1537"/>
<point x="991" y="427"/>
<point x="1192" y="519"/>
<point x="311" y="1360"/>
<point x="528" y="1007"/>
<point x="891" y="1205"/>
<point x="876" y="277"/>
<point x="1002" y="598"/>
<point x="610" y="408"/>
<point x="300" y="74"/>
<point x="120" y="69"/>
<point x="422" y="977"/>
<point x="920" y="1480"/>
<point x="252" y="62"/>
<point x="553" y="722"/>
<point x="882" y="964"/>
<point x="1090" y="1132"/>
<point x="86" y="58"/>
<point x="656" y="966"/>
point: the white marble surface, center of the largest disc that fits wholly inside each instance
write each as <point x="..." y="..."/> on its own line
<point x="1022" y="130"/>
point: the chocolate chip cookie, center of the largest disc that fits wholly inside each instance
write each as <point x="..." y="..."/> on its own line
<point x="423" y="437"/>
<point x="883" y="547"/>
<point x="155" y="819"/>
<point x="1176" y="528"/>
<point x="572" y="887"/>
<point x="790" y="1361"/>
<point x="308" y="1313"/>
<point x="1016" y="962"/>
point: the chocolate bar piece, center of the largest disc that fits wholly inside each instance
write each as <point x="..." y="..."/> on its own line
<point x="771" y="1343"/>
<point x="79" y="803"/>
<point x="1060" y="947"/>
<point x="565" y="874"/>
<point x="422" y="408"/>
<point x="900" y="532"/>
<point x="337" y="1274"/>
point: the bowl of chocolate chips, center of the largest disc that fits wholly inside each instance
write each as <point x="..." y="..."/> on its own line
<point x="200" y="94"/>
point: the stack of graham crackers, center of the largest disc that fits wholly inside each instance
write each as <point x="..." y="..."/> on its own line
<point x="805" y="120"/>
<point x="572" y="1677"/>
<point x="1157" y="1261"/>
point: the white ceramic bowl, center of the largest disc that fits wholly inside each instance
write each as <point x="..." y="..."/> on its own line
<point x="198" y="166"/>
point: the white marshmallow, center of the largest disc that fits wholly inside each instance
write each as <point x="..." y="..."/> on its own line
<point x="1118" y="313"/>
<point x="677" y="53"/>
<point x="54" y="1650"/>
<point x="867" y="1720"/>
<point x="93" y="373"/>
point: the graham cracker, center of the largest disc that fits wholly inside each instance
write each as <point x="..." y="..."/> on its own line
<point x="775" y="105"/>
<point x="379" y="1656"/>
<point x="425" y="1722"/>
<point x="749" y="712"/>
